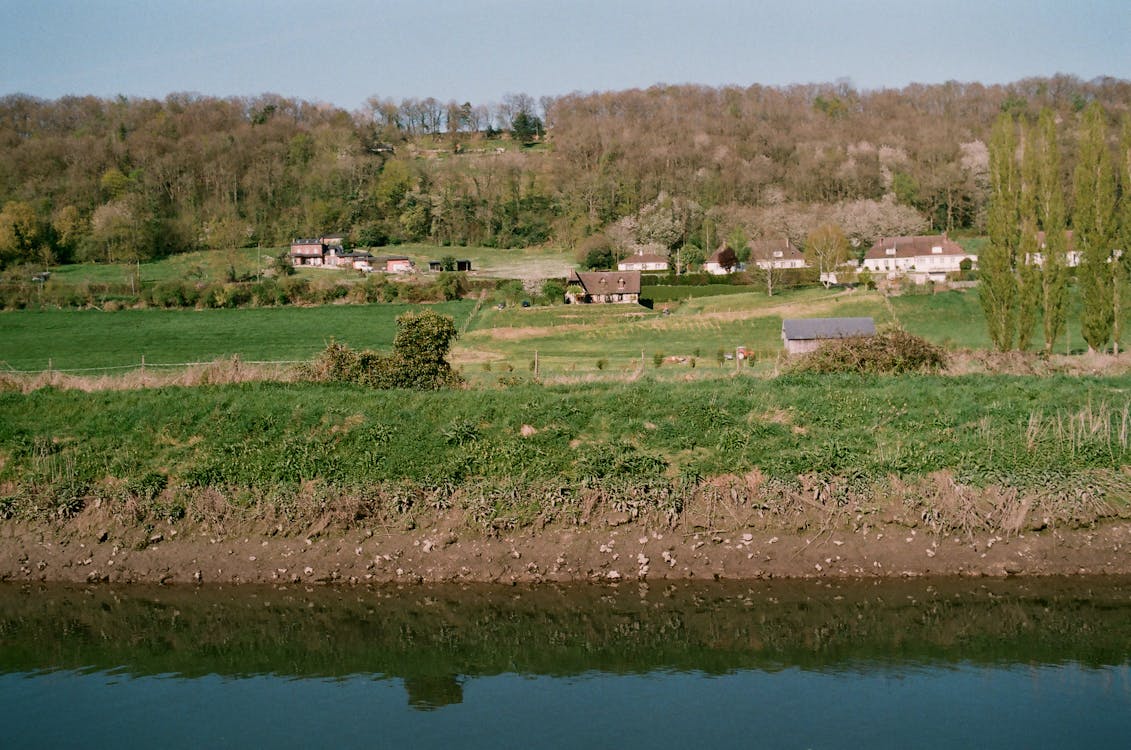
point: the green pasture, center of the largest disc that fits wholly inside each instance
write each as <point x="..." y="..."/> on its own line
<point x="568" y="340"/>
<point x="205" y="266"/>
<point x="77" y="339"/>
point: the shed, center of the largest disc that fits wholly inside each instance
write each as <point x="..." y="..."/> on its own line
<point x="802" y="335"/>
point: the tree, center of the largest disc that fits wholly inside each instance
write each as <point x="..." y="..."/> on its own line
<point x="767" y="274"/>
<point x="1093" y="221"/>
<point x="1050" y="214"/>
<point x="998" y="288"/>
<point x="421" y="345"/>
<point x="526" y="127"/>
<point x="1121" y="258"/>
<point x="1025" y="263"/>
<point x="690" y="256"/>
<point x="826" y="248"/>
<point x="21" y="233"/>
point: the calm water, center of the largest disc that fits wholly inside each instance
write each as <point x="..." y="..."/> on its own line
<point x="896" y="664"/>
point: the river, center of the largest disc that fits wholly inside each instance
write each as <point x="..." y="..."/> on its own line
<point x="913" y="663"/>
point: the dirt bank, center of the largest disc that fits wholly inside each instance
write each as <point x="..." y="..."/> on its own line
<point x="608" y="549"/>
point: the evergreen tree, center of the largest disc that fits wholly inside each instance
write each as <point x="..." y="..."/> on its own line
<point x="998" y="288"/>
<point x="1092" y="220"/>
<point x="1050" y="214"/>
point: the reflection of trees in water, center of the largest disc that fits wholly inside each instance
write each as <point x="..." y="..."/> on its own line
<point x="434" y="691"/>
<point x="418" y="633"/>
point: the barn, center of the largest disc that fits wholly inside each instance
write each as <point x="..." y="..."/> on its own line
<point x="801" y="335"/>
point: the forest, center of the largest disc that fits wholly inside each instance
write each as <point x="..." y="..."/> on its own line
<point x="84" y="179"/>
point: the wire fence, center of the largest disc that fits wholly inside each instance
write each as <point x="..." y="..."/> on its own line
<point x="142" y="365"/>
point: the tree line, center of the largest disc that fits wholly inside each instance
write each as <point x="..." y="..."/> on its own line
<point x="1039" y="228"/>
<point x="675" y="167"/>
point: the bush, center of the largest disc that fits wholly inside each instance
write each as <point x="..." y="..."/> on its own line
<point x="888" y="352"/>
<point x="418" y="360"/>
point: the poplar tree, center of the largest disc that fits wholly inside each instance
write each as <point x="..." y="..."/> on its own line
<point x="1027" y="271"/>
<point x="1092" y="220"/>
<point x="1050" y="214"/>
<point x="1121" y="259"/>
<point x="998" y="287"/>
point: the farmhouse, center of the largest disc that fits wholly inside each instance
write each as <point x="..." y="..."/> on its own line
<point x="603" y="287"/>
<point x="326" y="252"/>
<point x="771" y="254"/>
<point x="801" y="335"/>
<point x="920" y="259"/>
<point x="643" y="261"/>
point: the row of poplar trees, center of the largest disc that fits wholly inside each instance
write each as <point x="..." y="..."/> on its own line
<point x="1025" y="269"/>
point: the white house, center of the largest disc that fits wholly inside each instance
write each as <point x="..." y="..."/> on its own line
<point x="721" y="262"/>
<point x="780" y="253"/>
<point x="920" y="259"/>
<point x="642" y="261"/>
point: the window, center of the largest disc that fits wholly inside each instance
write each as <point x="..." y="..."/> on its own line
<point x="890" y="251"/>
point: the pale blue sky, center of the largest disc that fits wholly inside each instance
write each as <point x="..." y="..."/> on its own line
<point x="342" y="51"/>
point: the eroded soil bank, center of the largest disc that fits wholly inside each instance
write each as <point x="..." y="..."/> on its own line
<point x="611" y="548"/>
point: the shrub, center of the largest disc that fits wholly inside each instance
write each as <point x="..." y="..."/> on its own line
<point x="888" y="352"/>
<point x="418" y="360"/>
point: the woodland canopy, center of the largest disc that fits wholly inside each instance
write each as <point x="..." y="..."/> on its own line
<point x="90" y="179"/>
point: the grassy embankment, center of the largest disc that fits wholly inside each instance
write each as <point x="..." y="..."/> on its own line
<point x="951" y="453"/>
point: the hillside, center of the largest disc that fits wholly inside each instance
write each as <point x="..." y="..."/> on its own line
<point x="88" y="179"/>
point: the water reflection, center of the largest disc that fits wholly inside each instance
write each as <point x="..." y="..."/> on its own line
<point x="806" y="663"/>
<point x="432" y="635"/>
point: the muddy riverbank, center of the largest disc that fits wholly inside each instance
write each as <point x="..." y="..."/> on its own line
<point x="89" y="548"/>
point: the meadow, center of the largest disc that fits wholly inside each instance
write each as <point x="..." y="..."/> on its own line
<point x="690" y="333"/>
<point x="81" y="339"/>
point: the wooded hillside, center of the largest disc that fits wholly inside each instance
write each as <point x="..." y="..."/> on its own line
<point x="83" y="178"/>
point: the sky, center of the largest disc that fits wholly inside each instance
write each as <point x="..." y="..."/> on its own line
<point x="344" y="51"/>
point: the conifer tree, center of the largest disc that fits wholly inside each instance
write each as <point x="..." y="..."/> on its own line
<point x="1092" y="220"/>
<point x="998" y="287"/>
<point x="1050" y="214"/>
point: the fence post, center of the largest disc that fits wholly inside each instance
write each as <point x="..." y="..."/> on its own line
<point x="143" y="363"/>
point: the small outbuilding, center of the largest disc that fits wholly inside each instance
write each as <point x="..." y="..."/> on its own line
<point x="801" y="335"/>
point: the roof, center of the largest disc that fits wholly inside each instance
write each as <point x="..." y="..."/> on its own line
<point x="807" y="329"/>
<point x="645" y="258"/>
<point x="765" y="249"/>
<point x="717" y="256"/>
<point x="913" y="247"/>
<point x="608" y="282"/>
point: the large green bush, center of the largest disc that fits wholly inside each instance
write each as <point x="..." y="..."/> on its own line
<point x="419" y="358"/>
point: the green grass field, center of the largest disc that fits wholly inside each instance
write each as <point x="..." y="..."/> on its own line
<point x="568" y="340"/>
<point x="76" y="339"/>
